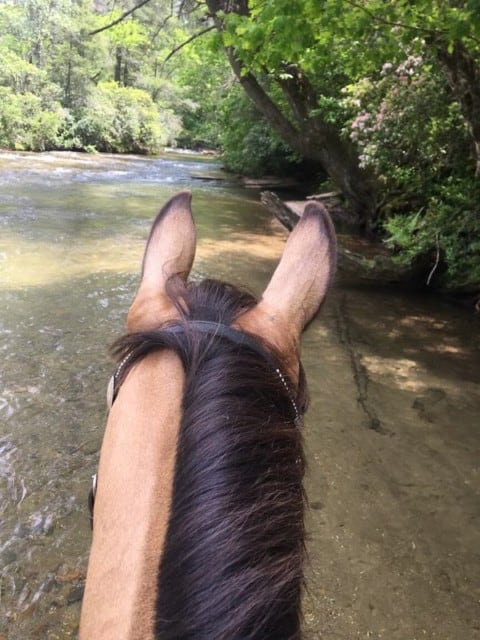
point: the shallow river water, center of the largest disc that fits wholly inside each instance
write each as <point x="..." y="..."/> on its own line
<point x="392" y="434"/>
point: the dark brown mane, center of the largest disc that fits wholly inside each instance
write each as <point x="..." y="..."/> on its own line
<point x="232" y="562"/>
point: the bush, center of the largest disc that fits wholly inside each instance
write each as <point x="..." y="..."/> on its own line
<point x="410" y="131"/>
<point x="27" y="123"/>
<point x="448" y="231"/>
<point x="123" y="120"/>
<point x="249" y="144"/>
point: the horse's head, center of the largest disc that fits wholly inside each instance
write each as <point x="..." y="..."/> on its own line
<point x="199" y="513"/>
<point x="290" y="301"/>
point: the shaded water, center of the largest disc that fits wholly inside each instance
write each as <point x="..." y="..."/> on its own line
<point x="392" y="434"/>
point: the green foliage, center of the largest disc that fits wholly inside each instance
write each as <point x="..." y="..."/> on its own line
<point x="52" y="67"/>
<point x="376" y="70"/>
<point x="203" y="80"/>
<point x="123" y="119"/>
<point x="19" y="74"/>
<point x="409" y="130"/>
<point x="411" y="133"/>
<point x="249" y="144"/>
<point x="448" y="231"/>
<point x="26" y="124"/>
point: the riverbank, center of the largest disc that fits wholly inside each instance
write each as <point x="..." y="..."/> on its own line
<point x="369" y="259"/>
<point x="365" y="258"/>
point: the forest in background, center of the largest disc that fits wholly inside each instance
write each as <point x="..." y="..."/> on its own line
<point x="379" y="98"/>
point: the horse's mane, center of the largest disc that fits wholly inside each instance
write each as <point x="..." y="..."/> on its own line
<point x="232" y="563"/>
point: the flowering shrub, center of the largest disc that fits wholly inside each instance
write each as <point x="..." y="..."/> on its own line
<point x="410" y="132"/>
<point x="406" y="119"/>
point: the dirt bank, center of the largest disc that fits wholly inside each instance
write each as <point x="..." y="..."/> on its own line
<point x="394" y="482"/>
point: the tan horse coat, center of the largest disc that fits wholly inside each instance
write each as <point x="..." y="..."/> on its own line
<point x="138" y="453"/>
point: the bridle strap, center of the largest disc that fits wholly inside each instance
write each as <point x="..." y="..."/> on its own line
<point x="217" y="329"/>
<point x="214" y="329"/>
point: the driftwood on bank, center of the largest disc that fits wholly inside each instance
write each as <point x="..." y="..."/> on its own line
<point x="325" y="196"/>
<point x="212" y="175"/>
<point x="269" y="182"/>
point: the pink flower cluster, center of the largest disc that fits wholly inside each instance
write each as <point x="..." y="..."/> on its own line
<point x="366" y="123"/>
<point x="361" y="125"/>
<point x="406" y="69"/>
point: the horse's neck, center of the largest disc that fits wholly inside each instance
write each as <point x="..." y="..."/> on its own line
<point x="132" y="502"/>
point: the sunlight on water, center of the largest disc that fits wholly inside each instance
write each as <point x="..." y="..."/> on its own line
<point x="22" y="265"/>
<point x="253" y="245"/>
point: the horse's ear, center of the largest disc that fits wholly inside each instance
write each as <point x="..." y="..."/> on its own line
<point x="169" y="253"/>
<point x="305" y="271"/>
<point x="299" y="284"/>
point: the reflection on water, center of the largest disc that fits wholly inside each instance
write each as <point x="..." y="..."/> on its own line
<point x="72" y="230"/>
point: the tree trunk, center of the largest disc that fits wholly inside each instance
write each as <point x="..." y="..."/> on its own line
<point x="463" y="74"/>
<point x="67" y="89"/>
<point x="118" y="65"/>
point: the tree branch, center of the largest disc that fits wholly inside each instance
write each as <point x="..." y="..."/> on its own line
<point x="389" y="23"/>
<point x="188" y="40"/>
<point x="120" y="19"/>
<point x="437" y="260"/>
<point x="422" y="30"/>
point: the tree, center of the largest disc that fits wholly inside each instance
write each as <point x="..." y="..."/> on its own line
<point x="54" y="76"/>
<point x="312" y="50"/>
<point x="265" y="43"/>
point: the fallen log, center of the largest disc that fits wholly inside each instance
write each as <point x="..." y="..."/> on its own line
<point x="370" y="261"/>
<point x="325" y="196"/>
<point x="217" y="175"/>
<point x="269" y="182"/>
<point x="280" y="209"/>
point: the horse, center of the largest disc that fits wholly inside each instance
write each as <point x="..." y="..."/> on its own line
<point x="198" y="522"/>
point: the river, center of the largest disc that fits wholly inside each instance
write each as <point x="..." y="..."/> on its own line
<point x="392" y="434"/>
